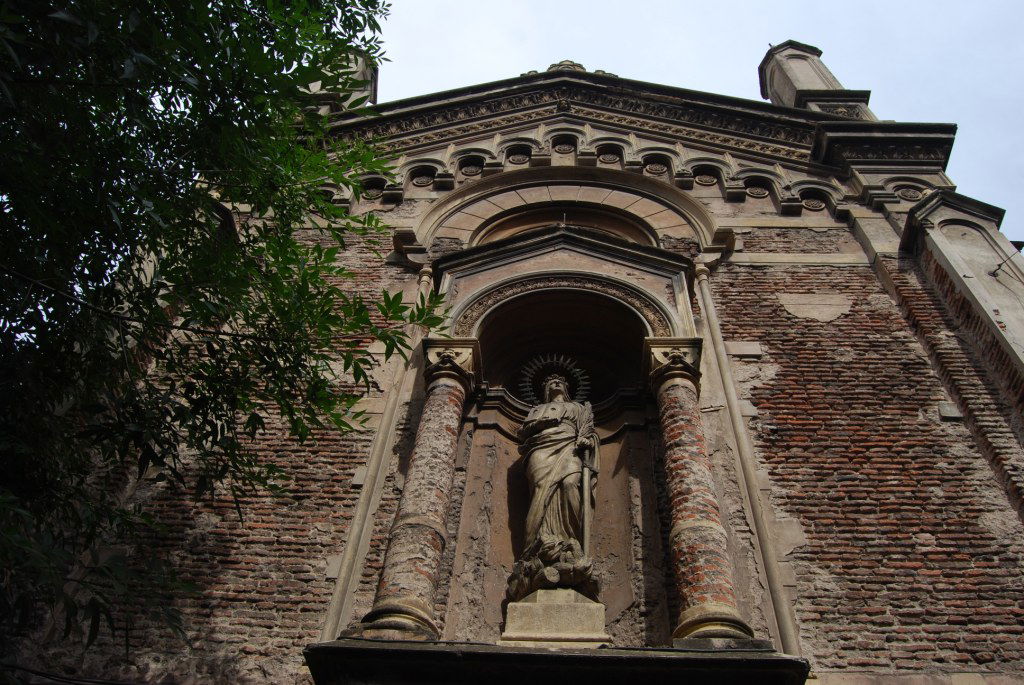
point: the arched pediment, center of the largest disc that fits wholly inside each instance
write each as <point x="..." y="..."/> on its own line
<point x="657" y="207"/>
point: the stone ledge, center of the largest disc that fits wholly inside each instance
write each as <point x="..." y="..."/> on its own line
<point x="391" y="663"/>
<point x="800" y="258"/>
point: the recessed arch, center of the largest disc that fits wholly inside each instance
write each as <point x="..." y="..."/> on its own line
<point x="484" y="152"/>
<point x="532" y="143"/>
<point x="414" y="164"/>
<point x="601" y="334"/>
<point x="466" y="319"/>
<point x="555" y="132"/>
<point x="707" y="165"/>
<point x="814" y="188"/>
<point x="665" y="209"/>
<point x="626" y="147"/>
<point x="610" y="221"/>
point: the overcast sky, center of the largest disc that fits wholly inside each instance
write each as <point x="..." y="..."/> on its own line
<point x="935" y="61"/>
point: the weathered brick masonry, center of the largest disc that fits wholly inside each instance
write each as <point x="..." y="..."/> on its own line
<point x="913" y="560"/>
<point x="974" y="368"/>
<point x="799" y="240"/>
<point x="261" y="583"/>
<point x="869" y="527"/>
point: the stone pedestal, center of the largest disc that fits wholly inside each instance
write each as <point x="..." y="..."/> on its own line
<point x="555" y="618"/>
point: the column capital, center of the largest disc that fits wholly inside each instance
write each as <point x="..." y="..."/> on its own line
<point x="456" y="359"/>
<point x="672" y="358"/>
<point x="701" y="271"/>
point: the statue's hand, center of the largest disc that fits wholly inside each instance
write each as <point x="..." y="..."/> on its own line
<point x="585" y="443"/>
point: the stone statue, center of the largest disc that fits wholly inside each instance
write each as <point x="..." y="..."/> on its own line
<point x="561" y="450"/>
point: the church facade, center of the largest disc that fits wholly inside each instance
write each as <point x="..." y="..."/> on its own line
<point x="727" y="390"/>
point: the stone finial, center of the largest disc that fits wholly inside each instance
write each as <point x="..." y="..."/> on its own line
<point x="362" y="69"/>
<point x="793" y="75"/>
<point x="791" y="67"/>
<point x="566" y="65"/>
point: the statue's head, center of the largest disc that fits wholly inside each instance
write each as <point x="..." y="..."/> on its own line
<point x="555" y="386"/>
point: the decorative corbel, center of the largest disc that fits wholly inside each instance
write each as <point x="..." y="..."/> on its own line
<point x="683" y="179"/>
<point x="671" y="358"/>
<point x="491" y="168"/>
<point x="457" y="359"/>
<point x="408" y="249"/>
<point x="790" y="204"/>
<point x="444" y="180"/>
<point x="735" y="190"/>
<point x="392" y="194"/>
<point x="586" y="158"/>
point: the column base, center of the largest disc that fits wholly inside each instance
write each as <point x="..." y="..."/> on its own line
<point x="555" y="619"/>
<point x="712" y="621"/>
<point x="723" y="644"/>
<point x="394" y="621"/>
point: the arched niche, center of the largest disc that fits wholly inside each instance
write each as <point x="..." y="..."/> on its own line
<point x="602" y="335"/>
<point x="467" y="318"/>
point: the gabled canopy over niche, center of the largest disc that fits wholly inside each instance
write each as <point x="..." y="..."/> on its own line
<point x="650" y="282"/>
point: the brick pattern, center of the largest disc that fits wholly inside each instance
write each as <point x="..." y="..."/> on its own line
<point x="261" y="591"/>
<point x="261" y="588"/>
<point x="687" y="247"/>
<point x="969" y="361"/>
<point x="989" y="356"/>
<point x="913" y="560"/>
<point x="703" y="571"/>
<point x="798" y="240"/>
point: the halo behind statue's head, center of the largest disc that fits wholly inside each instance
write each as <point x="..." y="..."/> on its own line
<point x="537" y="371"/>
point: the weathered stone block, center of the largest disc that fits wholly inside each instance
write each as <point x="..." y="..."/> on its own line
<point x="555" y="618"/>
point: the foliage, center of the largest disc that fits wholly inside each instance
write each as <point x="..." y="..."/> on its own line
<point x="139" y="326"/>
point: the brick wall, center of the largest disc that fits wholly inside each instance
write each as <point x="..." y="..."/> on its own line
<point x="913" y="556"/>
<point x="961" y="315"/>
<point x="800" y="240"/>
<point x="913" y="553"/>
<point x="261" y="586"/>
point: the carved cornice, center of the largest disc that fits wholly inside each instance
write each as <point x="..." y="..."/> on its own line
<point x="631" y="108"/>
<point x="697" y="135"/>
<point x="853" y="143"/>
<point x="457" y="359"/>
<point x="672" y="358"/>
<point x="545" y="237"/>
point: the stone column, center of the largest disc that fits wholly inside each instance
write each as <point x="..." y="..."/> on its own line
<point x="404" y="605"/>
<point x="699" y="548"/>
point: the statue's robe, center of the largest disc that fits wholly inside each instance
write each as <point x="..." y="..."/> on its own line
<point x="550" y="437"/>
